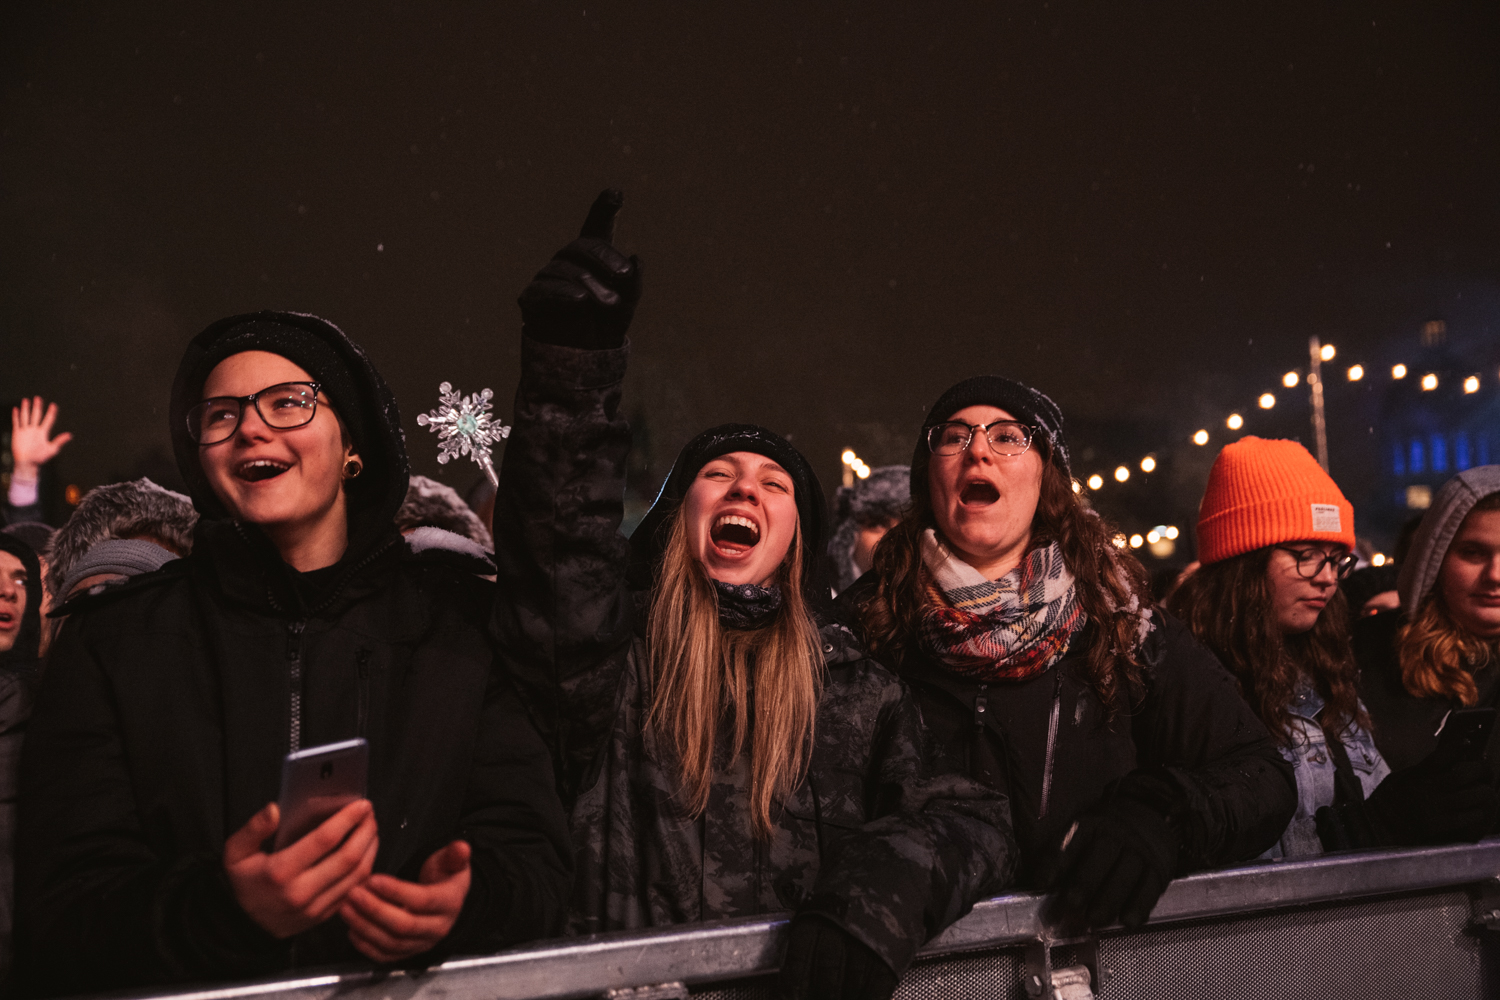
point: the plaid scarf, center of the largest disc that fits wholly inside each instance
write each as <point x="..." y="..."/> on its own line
<point x="1008" y="629"/>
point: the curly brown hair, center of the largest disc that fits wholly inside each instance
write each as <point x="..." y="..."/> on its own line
<point x="1112" y="585"/>
<point x="1229" y="607"/>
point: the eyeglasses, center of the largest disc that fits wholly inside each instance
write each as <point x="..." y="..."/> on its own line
<point x="283" y="406"/>
<point x="1006" y="437"/>
<point x="1310" y="562"/>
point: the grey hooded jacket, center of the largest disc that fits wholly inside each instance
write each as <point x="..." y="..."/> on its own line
<point x="1406" y="727"/>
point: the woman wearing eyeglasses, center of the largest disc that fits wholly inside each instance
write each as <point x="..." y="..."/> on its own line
<point x="1274" y="538"/>
<point x="302" y="618"/>
<point x="1041" y="668"/>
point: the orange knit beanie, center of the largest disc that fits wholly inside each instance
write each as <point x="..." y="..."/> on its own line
<point x="1263" y="493"/>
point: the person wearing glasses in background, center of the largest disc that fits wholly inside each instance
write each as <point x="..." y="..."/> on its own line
<point x="302" y="617"/>
<point x="1029" y="641"/>
<point x="1275" y="536"/>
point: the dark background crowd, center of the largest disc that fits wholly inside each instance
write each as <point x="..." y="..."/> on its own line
<point x="1144" y="212"/>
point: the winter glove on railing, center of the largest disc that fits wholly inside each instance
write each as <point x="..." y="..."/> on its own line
<point x="825" y="961"/>
<point x="586" y="295"/>
<point x="1120" y="854"/>
<point x="1431" y="802"/>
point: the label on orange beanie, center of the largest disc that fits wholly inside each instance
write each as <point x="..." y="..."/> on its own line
<point x="1325" y="517"/>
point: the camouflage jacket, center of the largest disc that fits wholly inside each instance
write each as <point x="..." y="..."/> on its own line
<point x="872" y="839"/>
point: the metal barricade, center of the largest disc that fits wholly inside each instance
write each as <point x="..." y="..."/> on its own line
<point x="1378" y="924"/>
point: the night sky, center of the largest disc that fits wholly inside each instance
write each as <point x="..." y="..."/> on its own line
<point x="1144" y="211"/>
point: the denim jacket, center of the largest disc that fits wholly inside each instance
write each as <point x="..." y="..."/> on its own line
<point x="1314" y="768"/>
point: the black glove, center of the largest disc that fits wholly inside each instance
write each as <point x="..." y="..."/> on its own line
<point x="1431" y="802"/>
<point x="1119" y="856"/>
<point x="825" y="962"/>
<point x="586" y="294"/>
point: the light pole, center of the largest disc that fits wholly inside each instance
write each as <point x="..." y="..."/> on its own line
<point x="1315" y="383"/>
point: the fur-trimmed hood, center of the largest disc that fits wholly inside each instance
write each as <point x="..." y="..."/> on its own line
<point x="119" y="510"/>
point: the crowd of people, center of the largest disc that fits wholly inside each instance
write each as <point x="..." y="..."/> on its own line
<point x="868" y="715"/>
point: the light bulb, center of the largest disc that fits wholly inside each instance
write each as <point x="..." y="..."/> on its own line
<point x="1266" y="401"/>
<point x="1356" y="372"/>
<point x="1289" y="380"/>
<point x="1235" y="422"/>
<point x="1201" y="437"/>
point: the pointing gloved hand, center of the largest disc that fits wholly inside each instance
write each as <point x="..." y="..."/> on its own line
<point x="1119" y="856"/>
<point x="586" y="295"/>
<point x="825" y="962"/>
<point x="1432" y="802"/>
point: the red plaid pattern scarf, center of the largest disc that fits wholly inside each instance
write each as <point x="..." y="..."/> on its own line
<point x="1008" y="629"/>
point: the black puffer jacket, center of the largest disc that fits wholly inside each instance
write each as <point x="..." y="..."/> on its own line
<point x="170" y="701"/>
<point x="1238" y="791"/>
<point x="874" y="839"/>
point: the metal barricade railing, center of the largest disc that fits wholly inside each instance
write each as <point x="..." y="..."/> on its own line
<point x="1383" y="921"/>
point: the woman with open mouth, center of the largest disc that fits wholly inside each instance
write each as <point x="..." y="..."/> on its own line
<point x="728" y="752"/>
<point x="301" y="618"/>
<point x="1029" y="641"/>
<point x="1275" y="536"/>
<point x="1441" y="651"/>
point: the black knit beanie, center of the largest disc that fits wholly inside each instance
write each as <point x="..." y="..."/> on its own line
<point x="1021" y="401"/>
<point x="649" y="541"/>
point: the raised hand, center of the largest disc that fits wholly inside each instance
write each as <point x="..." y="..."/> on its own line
<point x="30" y="443"/>
<point x="390" y="919"/>
<point x="304" y="883"/>
<point x="586" y="295"/>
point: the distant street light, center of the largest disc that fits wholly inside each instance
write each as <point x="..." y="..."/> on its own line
<point x="1201" y="437"/>
<point x="1290" y="380"/>
<point x="1136" y="541"/>
<point x="1471" y="384"/>
<point x="1096" y="481"/>
<point x="1121" y="474"/>
<point x="1356" y="372"/>
<point x="1429" y="382"/>
<point x="1235" y="422"/>
<point x="1148" y="464"/>
<point x="1327" y="352"/>
<point x="1398" y="371"/>
<point x="1266" y="401"/>
<point x="1172" y="532"/>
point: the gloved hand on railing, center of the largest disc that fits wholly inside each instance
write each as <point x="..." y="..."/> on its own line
<point x="1118" y="857"/>
<point x="825" y="962"/>
<point x="1431" y="802"/>
<point x="586" y="295"/>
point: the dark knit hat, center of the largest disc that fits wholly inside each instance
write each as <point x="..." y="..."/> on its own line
<point x="649" y="541"/>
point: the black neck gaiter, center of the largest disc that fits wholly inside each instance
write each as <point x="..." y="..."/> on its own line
<point x="746" y="606"/>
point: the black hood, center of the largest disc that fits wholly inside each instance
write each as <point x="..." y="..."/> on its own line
<point x="649" y="541"/>
<point x="25" y="652"/>
<point x="350" y="381"/>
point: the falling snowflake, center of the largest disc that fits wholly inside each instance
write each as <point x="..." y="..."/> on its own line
<point x="464" y="426"/>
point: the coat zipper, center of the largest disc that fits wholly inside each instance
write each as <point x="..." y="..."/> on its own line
<point x="1051" y="741"/>
<point x="294" y="674"/>
<point x="362" y="719"/>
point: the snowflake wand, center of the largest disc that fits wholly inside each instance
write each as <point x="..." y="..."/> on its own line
<point x="464" y="427"/>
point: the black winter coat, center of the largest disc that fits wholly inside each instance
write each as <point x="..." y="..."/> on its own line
<point x="1238" y="791"/>
<point x="874" y="839"/>
<point x="169" y="702"/>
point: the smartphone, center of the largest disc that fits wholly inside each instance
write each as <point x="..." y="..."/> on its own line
<point x="318" y="782"/>
<point x="1464" y="735"/>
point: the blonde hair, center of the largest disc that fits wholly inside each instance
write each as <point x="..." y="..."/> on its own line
<point x="1438" y="658"/>
<point x="702" y="671"/>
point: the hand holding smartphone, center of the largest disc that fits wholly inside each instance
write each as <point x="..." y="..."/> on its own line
<point x="318" y="782"/>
